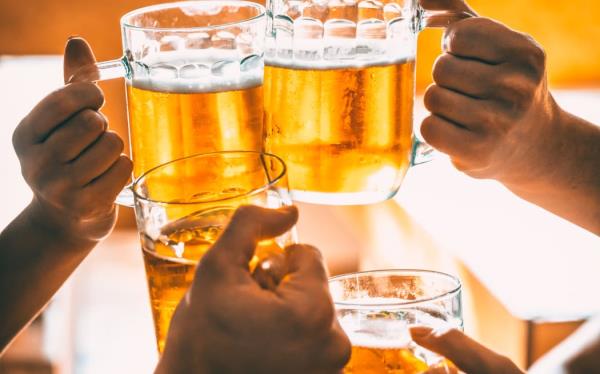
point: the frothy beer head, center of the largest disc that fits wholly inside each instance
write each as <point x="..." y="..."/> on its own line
<point x="198" y="71"/>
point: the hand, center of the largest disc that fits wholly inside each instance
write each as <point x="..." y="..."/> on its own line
<point x="70" y="160"/>
<point x="468" y="355"/>
<point x="227" y="323"/>
<point x="490" y="106"/>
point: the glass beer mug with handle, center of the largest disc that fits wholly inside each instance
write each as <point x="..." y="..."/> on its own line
<point x="194" y="74"/>
<point x="339" y="91"/>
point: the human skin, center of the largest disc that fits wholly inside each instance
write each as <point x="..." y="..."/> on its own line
<point x="74" y="166"/>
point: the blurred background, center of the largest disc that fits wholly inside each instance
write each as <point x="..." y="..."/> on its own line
<point x="100" y="321"/>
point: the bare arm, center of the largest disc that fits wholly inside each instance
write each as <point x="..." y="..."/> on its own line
<point x="35" y="260"/>
<point x="570" y="185"/>
<point x="493" y="114"/>
<point x="75" y="168"/>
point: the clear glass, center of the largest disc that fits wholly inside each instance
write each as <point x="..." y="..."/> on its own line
<point x="182" y="206"/>
<point x="376" y="309"/>
<point x="339" y="91"/>
<point x="194" y="75"/>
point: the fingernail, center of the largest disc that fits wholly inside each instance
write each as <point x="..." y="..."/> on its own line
<point x="420" y="331"/>
<point x="73" y="37"/>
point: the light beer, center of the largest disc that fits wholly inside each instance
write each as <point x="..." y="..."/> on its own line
<point x="172" y="257"/>
<point x="180" y="109"/>
<point x="384" y="360"/>
<point x="341" y="129"/>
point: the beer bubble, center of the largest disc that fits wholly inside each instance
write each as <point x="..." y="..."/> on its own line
<point x="392" y="11"/>
<point x="370" y="9"/>
<point x="225" y="68"/>
<point x="163" y="71"/>
<point x="194" y="71"/>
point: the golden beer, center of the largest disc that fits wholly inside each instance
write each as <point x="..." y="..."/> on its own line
<point x="171" y="261"/>
<point x="341" y="129"/>
<point x="167" y="123"/>
<point x="389" y="360"/>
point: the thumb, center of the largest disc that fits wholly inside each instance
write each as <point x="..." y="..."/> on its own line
<point x="79" y="61"/>
<point x="236" y="245"/>
<point x="450" y="5"/>
<point x="470" y="356"/>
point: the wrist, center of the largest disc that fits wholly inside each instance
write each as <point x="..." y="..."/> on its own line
<point x="56" y="226"/>
<point x="541" y="154"/>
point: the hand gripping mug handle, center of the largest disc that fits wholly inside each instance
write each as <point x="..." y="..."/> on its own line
<point x="421" y="151"/>
<point x="100" y="71"/>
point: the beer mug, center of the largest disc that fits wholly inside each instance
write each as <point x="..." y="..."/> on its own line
<point x="181" y="208"/>
<point x="194" y="73"/>
<point x="377" y="308"/>
<point x="339" y="91"/>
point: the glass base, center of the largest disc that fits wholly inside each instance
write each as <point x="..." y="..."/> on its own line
<point x="341" y="198"/>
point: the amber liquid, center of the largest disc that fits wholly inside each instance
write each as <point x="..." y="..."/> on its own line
<point x="368" y="360"/>
<point x="342" y="130"/>
<point x="166" y="124"/>
<point x="171" y="263"/>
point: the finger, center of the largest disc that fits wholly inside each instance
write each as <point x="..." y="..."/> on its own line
<point x="97" y="158"/>
<point x="54" y="109"/>
<point x="471" y="77"/>
<point x="76" y="134"/>
<point x="249" y="225"/>
<point x="449" y="137"/>
<point x="470" y="356"/>
<point x="78" y="54"/>
<point x="305" y="288"/>
<point x="107" y="186"/>
<point x="485" y="40"/>
<point x="466" y="111"/>
<point x="445" y="12"/>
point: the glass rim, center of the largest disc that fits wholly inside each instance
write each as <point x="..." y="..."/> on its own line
<point x="400" y="304"/>
<point x="252" y="192"/>
<point x="125" y="19"/>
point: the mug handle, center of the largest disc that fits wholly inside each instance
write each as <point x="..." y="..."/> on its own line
<point x="101" y="71"/>
<point x="421" y="151"/>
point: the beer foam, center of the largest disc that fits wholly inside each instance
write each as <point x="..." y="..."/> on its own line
<point x="198" y="71"/>
<point x="322" y="64"/>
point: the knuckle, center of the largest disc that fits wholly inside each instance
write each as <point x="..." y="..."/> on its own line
<point x="442" y="67"/>
<point x="431" y="99"/>
<point x="91" y="122"/>
<point x="17" y="139"/>
<point x="517" y="91"/>
<point x="429" y="129"/>
<point x="114" y="142"/>
<point x="535" y="58"/>
<point x="91" y="92"/>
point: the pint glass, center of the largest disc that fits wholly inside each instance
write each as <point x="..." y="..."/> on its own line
<point x="376" y="309"/>
<point x="182" y="207"/>
<point x="339" y="91"/>
<point x="194" y="74"/>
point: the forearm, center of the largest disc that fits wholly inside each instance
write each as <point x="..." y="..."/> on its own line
<point x="35" y="260"/>
<point x="570" y="186"/>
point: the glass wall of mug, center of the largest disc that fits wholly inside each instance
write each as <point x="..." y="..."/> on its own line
<point x="182" y="207"/>
<point x="376" y="309"/>
<point x="339" y="92"/>
<point x="194" y="74"/>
